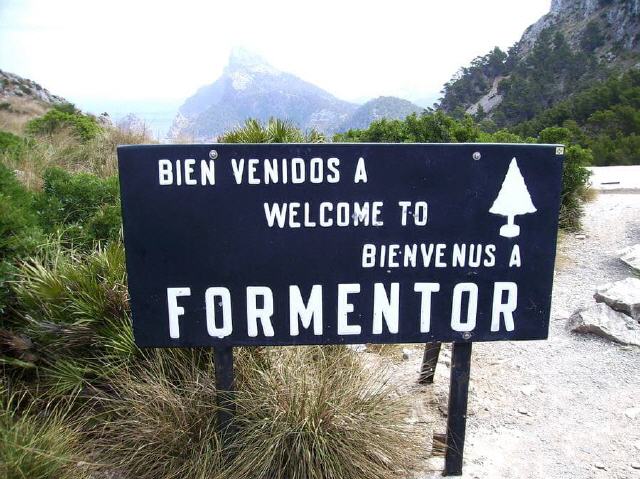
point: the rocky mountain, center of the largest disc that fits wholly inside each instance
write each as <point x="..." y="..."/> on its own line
<point x="251" y="88"/>
<point x="577" y="43"/>
<point x="133" y="124"/>
<point x="22" y="100"/>
<point x="610" y="26"/>
<point x="13" y="86"/>
<point x="382" y="107"/>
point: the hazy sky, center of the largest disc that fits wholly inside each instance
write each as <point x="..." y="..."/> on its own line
<point x="122" y="50"/>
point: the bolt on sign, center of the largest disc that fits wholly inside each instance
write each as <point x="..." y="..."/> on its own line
<point x="282" y="244"/>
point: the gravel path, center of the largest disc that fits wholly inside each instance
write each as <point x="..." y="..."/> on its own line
<point x="568" y="407"/>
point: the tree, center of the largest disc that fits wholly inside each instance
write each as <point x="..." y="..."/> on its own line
<point x="513" y="199"/>
<point x="592" y="37"/>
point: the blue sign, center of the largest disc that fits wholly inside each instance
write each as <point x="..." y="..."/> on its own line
<point x="281" y="244"/>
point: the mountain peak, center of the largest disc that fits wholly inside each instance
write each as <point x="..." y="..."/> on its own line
<point x="242" y="59"/>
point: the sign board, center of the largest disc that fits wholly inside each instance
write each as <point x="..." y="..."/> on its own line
<point x="280" y="244"/>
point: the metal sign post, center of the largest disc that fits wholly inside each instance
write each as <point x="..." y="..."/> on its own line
<point x="429" y="362"/>
<point x="457" y="415"/>
<point x="223" y="362"/>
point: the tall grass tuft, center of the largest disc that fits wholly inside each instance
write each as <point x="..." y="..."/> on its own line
<point x="159" y="420"/>
<point x="75" y="311"/>
<point x="38" y="445"/>
<point x="316" y="413"/>
<point x="273" y="131"/>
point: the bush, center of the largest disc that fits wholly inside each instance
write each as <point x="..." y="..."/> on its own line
<point x="19" y="232"/>
<point x="96" y="156"/>
<point x="10" y="143"/>
<point x="428" y="127"/>
<point x="62" y="117"/>
<point x="575" y="176"/>
<point x="438" y="127"/>
<point x="575" y="180"/>
<point x="75" y="311"/>
<point x="81" y="207"/>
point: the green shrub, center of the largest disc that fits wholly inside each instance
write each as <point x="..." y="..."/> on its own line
<point x="274" y="131"/>
<point x="19" y="231"/>
<point x="428" y="127"/>
<point x="437" y="127"/>
<point x="302" y="412"/>
<point x="575" y="177"/>
<point x="10" y="143"/>
<point x="63" y="117"/>
<point x="575" y="180"/>
<point x="82" y="207"/>
<point x="75" y="310"/>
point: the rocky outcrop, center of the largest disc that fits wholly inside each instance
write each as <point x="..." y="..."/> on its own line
<point x="592" y="39"/>
<point x="133" y="124"/>
<point x="631" y="257"/>
<point x="13" y="86"/>
<point x="601" y="320"/>
<point x="619" y="20"/>
<point x="388" y="107"/>
<point x="623" y="296"/>
<point x="489" y="101"/>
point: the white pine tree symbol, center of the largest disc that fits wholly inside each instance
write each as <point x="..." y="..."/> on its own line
<point x="513" y="199"/>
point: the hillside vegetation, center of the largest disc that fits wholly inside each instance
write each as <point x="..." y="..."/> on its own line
<point x="77" y="397"/>
<point x="440" y="128"/>
<point x="574" y="68"/>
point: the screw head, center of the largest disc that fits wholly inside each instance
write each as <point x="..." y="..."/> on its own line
<point x="466" y="335"/>
<point x="213" y="154"/>
<point x="477" y="155"/>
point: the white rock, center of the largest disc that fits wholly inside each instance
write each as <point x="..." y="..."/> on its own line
<point x="631" y="256"/>
<point x="603" y="321"/>
<point x="358" y="348"/>
<point x="406" y="354"/>
<point x="632" y="412"/>
<point x="581" y="236"/>
<point x="622" y="296"/>
<point x="528" y="389"/>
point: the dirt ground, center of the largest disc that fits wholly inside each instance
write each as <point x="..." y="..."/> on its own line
<point x="568" y="407"/>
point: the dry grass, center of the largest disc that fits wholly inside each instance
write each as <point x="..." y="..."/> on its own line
<point x="16" y="112"/>
<point x="590" y="194"/>
<point x="316" y="413"/>
<point x="390" y="351"/>
<point x="160" y="419"/>
<point x="302" y="413"/>
<point x="563" y="259"/>
<point x="96" y="156"/>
